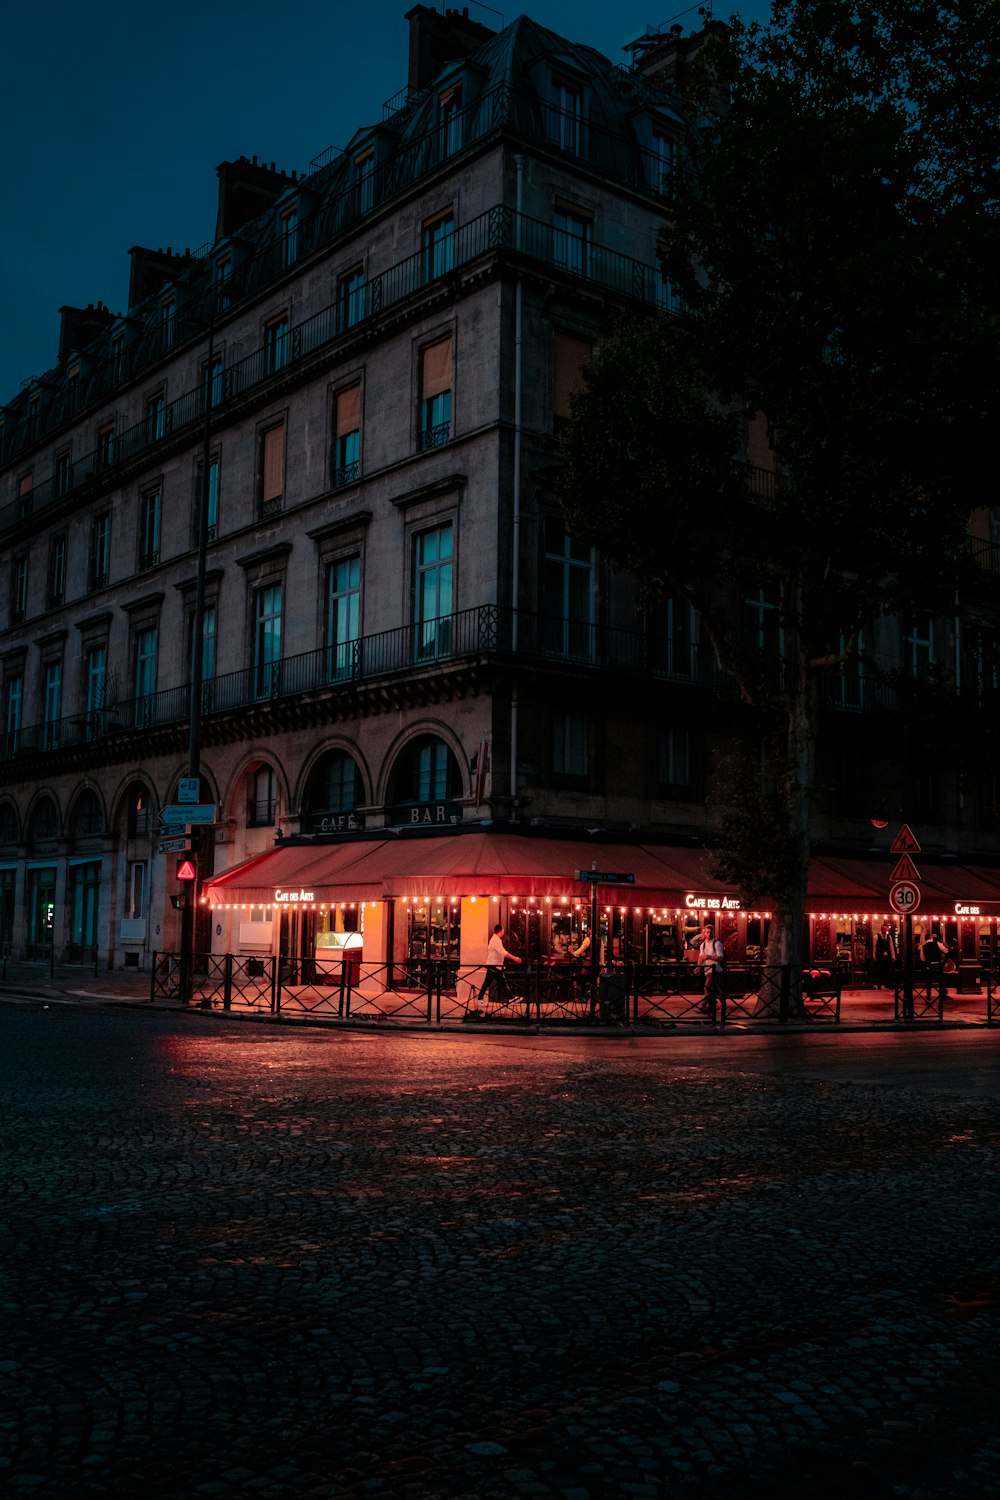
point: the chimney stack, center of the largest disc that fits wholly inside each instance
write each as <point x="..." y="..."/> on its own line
<point x="151" y="269"/>
<point x="246" y="189"/>
<point x="436" y="40"/>
<point x="79" y="326"/>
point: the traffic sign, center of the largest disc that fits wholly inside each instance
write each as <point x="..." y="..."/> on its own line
<point x="905" y="898"/>
<point x="175" y="815"/>
<point x="605" y="877"/>
<point x="179" y="845"/>
<point x="905" y="870"/>
<point x="905" y="842"/>
<point x="188" y="789"/>
<point x="187" y="869"/>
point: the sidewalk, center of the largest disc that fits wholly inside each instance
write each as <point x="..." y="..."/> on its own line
<point x="860" y="1008"/>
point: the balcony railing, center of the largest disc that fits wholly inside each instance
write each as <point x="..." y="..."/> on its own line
<point x="487" y="629"/>
<point x="498" y="108"/>
<point x="497" y="229"/>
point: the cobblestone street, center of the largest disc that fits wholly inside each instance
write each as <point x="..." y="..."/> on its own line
<point x="247" y="1260"/>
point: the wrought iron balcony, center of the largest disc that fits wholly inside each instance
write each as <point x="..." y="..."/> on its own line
<point x="498" y="229"/>
<point x="441" y="643"/>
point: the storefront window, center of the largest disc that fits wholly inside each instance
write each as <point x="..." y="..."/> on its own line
<point x="434" y="933"/>
<point x="84" y="893"/>
<point x="41" y="911"/>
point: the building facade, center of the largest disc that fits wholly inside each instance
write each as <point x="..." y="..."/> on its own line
<point x="357" y="392"/>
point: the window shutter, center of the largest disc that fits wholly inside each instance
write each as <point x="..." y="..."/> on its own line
<point x="569" y="356"/>
<point x="349" y="410"/>
<point x="436" y="375"/>
<point x="274" y="462"/>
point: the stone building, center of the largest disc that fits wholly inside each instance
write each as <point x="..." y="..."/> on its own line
<point x="370" y="364"/>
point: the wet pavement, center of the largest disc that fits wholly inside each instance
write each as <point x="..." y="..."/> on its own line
<point x="243" y="1260"/>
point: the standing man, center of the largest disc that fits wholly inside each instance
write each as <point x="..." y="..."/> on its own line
<point x="885" y="958"/>
<point x="711" y="957"/>
<point x="493" y="979"/>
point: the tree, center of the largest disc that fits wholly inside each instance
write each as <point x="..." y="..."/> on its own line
<point x="831" y="237"/>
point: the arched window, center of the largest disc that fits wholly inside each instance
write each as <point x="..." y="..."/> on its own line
<point x="427" y="772"/>
<point x="262" y="797"/>
<point x="88" y="820"/>
<point x="8" y="823"/>
<point x="44" y="822"/>
<point x="333" y="792"/>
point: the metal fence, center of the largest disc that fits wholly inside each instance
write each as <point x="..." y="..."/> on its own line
<point x="444" y="992"/>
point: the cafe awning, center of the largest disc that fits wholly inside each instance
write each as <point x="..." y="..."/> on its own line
<point x="477" y="864"/>
<point x="489" y="863"/>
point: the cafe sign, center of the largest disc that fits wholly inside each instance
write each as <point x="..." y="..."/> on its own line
<point x="286" y="898"/>
<point x="694" y="902"/>
<point x="426" y="814"/>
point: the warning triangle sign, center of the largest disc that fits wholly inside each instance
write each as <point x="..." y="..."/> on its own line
<point x="186" y="870"/>
<point x="905" y="870"/>
<point x="905" y="843"/>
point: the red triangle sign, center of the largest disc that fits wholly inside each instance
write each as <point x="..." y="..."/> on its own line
<point x="186" y="870"/>
<point x="905" y="842"/>
<point x="905" y="870"/>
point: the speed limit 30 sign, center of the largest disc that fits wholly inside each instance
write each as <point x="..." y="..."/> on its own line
<point x="904" y="897"/>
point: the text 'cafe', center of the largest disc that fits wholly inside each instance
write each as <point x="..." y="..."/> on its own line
<point x="406" y="900"/>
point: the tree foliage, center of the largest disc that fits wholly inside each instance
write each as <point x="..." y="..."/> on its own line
<point x="832" y="237"/>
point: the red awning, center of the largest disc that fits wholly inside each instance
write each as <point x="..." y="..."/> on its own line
<point x="488" y="863"/>
<point x="474" y="864"/>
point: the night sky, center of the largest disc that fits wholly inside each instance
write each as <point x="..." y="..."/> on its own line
<point x="116" y="116"/>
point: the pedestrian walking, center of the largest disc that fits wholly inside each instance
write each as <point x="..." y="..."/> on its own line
<point x="493" y="979"/>
<point x="712" y="958"/>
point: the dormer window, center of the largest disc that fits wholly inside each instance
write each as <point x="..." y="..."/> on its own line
<point x="364" y="176"/>
<point x="660" y="163"/>
<point x="118" y="357"/>
<point x="450" y="105"/>
<point x="288" y="235"/>
<point x="569" y="129"/>
<point x="168" y="322"/>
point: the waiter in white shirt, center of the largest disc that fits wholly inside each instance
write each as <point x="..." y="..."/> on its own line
<point x="493" y="979"/>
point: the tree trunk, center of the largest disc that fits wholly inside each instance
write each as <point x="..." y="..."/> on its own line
<point x="781" y="980"/>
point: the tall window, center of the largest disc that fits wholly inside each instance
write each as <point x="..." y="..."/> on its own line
<point x="435" y="389"/>
<point x="118" y="357"/>
<point x="213" y="498"/>
<point x="57" y="571"/>
<point x="334" y="786"/>
<point x="567" y="594"/>
<point x="272" y="469"/>
<point x="276" y="345"/>
<point x="675" y="761"/>
<point x="762" y="622"/>
<point x="660" y="161"/>
<point x="95" y="675"/>
<point x="450" y="104"/>
<point x="569" y="743"/>
<point x="52" y="710"/>
<point x="145" y="673"/>
<point x="156" y="417"/>
<point x="571" y="241"/>
<point x="343" y="614"/>
<point x="438" y="245"/>
<point x="106" y="444"/>
<point x="209" y="627"/>
<point x="12" y="706"/>
<point x="347" y="437"/>
<point x="64" y="479"/>
<point x="850" y="678"/>
<point x="25" y="485"/>
<point x="100" y="549"/>
<point x="267" y="640"/>
<point x="666" y="299"/>
<point x="168" y="322"/>
<point x="432" y="592"/>
<point x="569" y="116"/>
<point x="364" y="176"/>
<point x="681" y="629"/>
<point x="919" y="647"/>
<point x="149" y="529"/>
<point x="350" y="298"/>
<point x="262" y="788"/>
<point x="288" y="236"/>
<point x="569" y="355"/>
<point x="212" y="379"/>
<point x="19" y="591"/>
<point x="135" y="890"/>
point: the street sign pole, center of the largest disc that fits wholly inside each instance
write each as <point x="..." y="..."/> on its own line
<point x="908" y="968"/>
